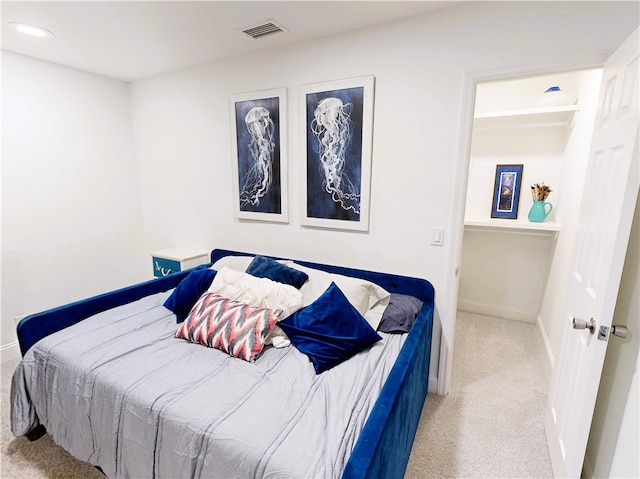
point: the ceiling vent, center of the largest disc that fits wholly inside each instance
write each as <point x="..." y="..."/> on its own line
<point x="265" y="28"/>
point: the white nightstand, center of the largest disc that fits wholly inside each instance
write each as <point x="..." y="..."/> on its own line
<point x="173" y="260"/>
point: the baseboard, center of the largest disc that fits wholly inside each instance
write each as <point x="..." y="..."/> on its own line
<point x="9" y="351"/>
<point x="433" y="385"/>
<point x="547" y="346"/>
<point x="496" y="311"/>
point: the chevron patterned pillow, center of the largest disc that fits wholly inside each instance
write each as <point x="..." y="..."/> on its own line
<point x="236" y="328"/>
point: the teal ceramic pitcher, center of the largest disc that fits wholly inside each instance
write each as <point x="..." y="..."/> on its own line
<point x="539" y="211"/>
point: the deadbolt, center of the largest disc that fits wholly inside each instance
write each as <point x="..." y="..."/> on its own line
<point x="582" y="324"/>
<point x="619" y="331"/>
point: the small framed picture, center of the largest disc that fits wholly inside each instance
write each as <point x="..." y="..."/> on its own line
<point x="259" y="156"/>
<point x="506" y="191"/>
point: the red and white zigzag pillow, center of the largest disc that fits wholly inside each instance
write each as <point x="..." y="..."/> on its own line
<point x="236" y="328"/>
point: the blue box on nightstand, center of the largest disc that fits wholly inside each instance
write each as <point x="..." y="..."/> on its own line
<point x="176" y="259"/>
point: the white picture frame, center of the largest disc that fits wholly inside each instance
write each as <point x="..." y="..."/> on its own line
<point x="258" y="122"/>
<point x="336" y="133"/>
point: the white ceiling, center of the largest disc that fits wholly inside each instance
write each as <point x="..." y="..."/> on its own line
<point x="131" y="40"/>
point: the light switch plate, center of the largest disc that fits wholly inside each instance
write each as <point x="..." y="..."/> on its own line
<point x="437" y="236"/>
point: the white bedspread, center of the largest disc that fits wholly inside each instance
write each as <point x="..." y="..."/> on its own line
<point x="118" y="390"/>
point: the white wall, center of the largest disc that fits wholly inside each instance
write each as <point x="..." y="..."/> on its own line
<point x="539" y="142"/>
<point x="503" y="270"/>
<point x="71" y="222"/>
<point x="182" y="135"/>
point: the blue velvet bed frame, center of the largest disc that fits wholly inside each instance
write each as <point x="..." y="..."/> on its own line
<point x="384" y="446"/>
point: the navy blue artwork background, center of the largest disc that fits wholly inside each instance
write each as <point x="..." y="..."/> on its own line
<point x="319" y="202"/>
<point x="271" y="202"/>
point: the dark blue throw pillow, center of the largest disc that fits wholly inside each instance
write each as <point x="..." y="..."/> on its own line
<point x="330" y="330"/>
<point x="189" y="290"/>
<point x="263" y="267"/>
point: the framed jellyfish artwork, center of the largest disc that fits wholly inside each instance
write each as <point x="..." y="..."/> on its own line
<point x="259" y="160"/>
<point x="335" y="146"/>
<point x="506" y="191"/>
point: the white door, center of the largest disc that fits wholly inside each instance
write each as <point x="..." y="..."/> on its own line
<point x="604" y="223"/>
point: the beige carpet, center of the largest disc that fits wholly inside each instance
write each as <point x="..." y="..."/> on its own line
<point x="489" y="426"/>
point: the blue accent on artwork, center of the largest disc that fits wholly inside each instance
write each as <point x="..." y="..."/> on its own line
<point x="320" y="203"/>
<point x="270" y="201"/>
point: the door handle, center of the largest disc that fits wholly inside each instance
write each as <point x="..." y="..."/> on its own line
<point x="582" y="324"/>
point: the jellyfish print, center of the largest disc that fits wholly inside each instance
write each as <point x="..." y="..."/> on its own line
<point x="332" y="127"/>
<point x="337" y="149"/>
<point x="256" y="182"/>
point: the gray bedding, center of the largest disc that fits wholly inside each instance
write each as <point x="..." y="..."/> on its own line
<point x="119" y="391"/>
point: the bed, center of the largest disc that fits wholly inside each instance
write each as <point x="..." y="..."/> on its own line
<point x="110" y="381"/>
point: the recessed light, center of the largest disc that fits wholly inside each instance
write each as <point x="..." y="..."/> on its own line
<point x="32" y="30"/>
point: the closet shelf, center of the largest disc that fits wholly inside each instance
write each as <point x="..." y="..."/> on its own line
<point x="545" y="116"/>
<point x="515" y="226"/>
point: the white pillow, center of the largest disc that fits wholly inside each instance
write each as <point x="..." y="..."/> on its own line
<point x="260" y="293"/>
<point x="368" y="298"/>
<point x="239" y="263"/>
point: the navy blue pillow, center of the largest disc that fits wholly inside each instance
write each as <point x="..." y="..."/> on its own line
<point x="189" y="291"/>
<point x="330" y="330"/>
<point x="263" y="267"/>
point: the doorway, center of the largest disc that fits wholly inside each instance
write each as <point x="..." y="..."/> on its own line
<point x="514" y="268"/>
<point x="617" y="142"/>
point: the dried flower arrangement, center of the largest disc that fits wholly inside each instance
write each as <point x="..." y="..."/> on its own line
<point x="540" y="191"/>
